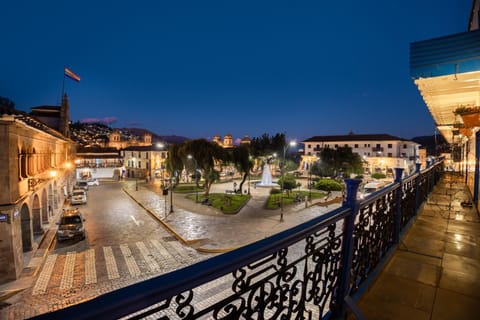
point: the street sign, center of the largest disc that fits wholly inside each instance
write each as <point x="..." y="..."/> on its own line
<point x="4" y="217"/>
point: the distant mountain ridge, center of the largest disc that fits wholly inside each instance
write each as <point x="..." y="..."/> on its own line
<point x="434" y="144"/>
<point x="88" y="134"/>
<point x="173" y="139"/>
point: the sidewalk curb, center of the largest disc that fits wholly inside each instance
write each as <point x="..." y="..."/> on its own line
<point x="175" y="233"/>
<point x="45" y="254"/>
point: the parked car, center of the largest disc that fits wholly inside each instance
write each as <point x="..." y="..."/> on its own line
<point x="70" y="225"/>
<point x="81" y="184"/>
<point x="93" y="182"/>
<point x="370" y="188"/>
<point x="79" y="196"/>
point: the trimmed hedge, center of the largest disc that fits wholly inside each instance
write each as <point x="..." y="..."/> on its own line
<point x="328" y="185"/>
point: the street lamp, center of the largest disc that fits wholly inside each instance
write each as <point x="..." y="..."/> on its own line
<point x="278" y="161"/>
<point x="158" y="160"/>
<point x="171" y="194"/>
<point x="196" y="166"/>
<point x="282" y="170"/>
<point x="309" y="184"/>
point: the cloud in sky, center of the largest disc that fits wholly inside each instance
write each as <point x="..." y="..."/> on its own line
<point x="105" y="120"/>
<point x="133" y="123"/>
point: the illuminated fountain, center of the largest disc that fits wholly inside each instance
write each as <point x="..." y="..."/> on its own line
<point x="266" y="177"/>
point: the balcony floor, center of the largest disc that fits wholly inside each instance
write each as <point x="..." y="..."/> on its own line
<point x="435" y="271"/>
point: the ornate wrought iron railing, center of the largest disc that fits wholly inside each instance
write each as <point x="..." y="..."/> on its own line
<point x="312" y="271"/>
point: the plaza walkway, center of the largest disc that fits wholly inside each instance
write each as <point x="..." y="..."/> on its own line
<point x="207" y="229"/>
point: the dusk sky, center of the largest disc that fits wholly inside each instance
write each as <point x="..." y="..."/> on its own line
<point x="200" y="68"/>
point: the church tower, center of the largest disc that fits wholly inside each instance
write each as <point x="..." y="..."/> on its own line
<point x="147" y="139"/>
<point x="228" y="141"/>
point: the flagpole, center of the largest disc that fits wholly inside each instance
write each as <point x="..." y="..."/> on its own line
<point x="63" y="85"/>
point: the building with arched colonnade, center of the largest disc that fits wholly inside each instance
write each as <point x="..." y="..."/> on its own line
<point x="36" y="175"/>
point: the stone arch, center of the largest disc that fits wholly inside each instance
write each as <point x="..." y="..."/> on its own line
<point x="44" y="205"/>
<point x="36" y="219"/>
<point x="26" y="228"/>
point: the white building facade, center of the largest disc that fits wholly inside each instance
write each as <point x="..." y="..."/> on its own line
<point x="380" y="152"/>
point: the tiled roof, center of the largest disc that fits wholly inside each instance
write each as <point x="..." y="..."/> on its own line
<point x="145" y="148"/>
<point x="31" y="121"/>
<point x="355" y="137"/>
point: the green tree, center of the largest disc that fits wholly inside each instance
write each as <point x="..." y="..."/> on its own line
<point x="266" y="145"/>
<point x="207" y="154"/>
<point x="243" y="162"/>
<point x="339" y="160"/>
<point x="4" y="101"/>
<point x="289" y="182"/>
<point x="174" y="161"/>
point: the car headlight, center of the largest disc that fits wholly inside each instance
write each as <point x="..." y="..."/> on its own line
<point x="60" y="232"/>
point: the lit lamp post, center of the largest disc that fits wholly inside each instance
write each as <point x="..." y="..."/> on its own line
<point x="282" y="170"/>
<point x="196" y="166"/>
<point x="135" y="174"/>
<point x="159" y="161"/>
<point x="171" y="194"/>
<point x="309" y="183"/>
<point x="278" y="161"/>
<point x="250" y="165"/>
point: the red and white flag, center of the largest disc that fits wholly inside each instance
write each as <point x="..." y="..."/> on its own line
<point x="69" y="73"/>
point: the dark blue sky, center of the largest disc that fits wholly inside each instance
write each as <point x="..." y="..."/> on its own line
<point x="200" y="68"/>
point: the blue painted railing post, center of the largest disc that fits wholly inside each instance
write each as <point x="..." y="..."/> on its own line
<point x="398" y="213"/>
<point x="417" y="186"/>
<point x="428" y="173"/>
<point x="347" y="247"/>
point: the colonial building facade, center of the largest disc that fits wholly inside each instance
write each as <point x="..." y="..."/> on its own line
<point x="36" y="172"/>
<point x="227" y="141"/>
<point x="380" y="152"/>
<point x="145" y="162"/>
<point x="116" y="141"/>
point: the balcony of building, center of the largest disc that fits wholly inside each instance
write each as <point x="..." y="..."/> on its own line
<point x="409" y="249"/>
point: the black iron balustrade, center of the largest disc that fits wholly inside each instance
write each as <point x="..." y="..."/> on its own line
<point x="312" y="271"/>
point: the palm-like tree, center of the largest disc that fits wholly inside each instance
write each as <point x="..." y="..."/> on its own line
<point x="243" y="163"/>
<point x="207" y="154"/>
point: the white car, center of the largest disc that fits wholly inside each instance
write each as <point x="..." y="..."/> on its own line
<point x="79" y="196"/>
<point x="93" y="182"/>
